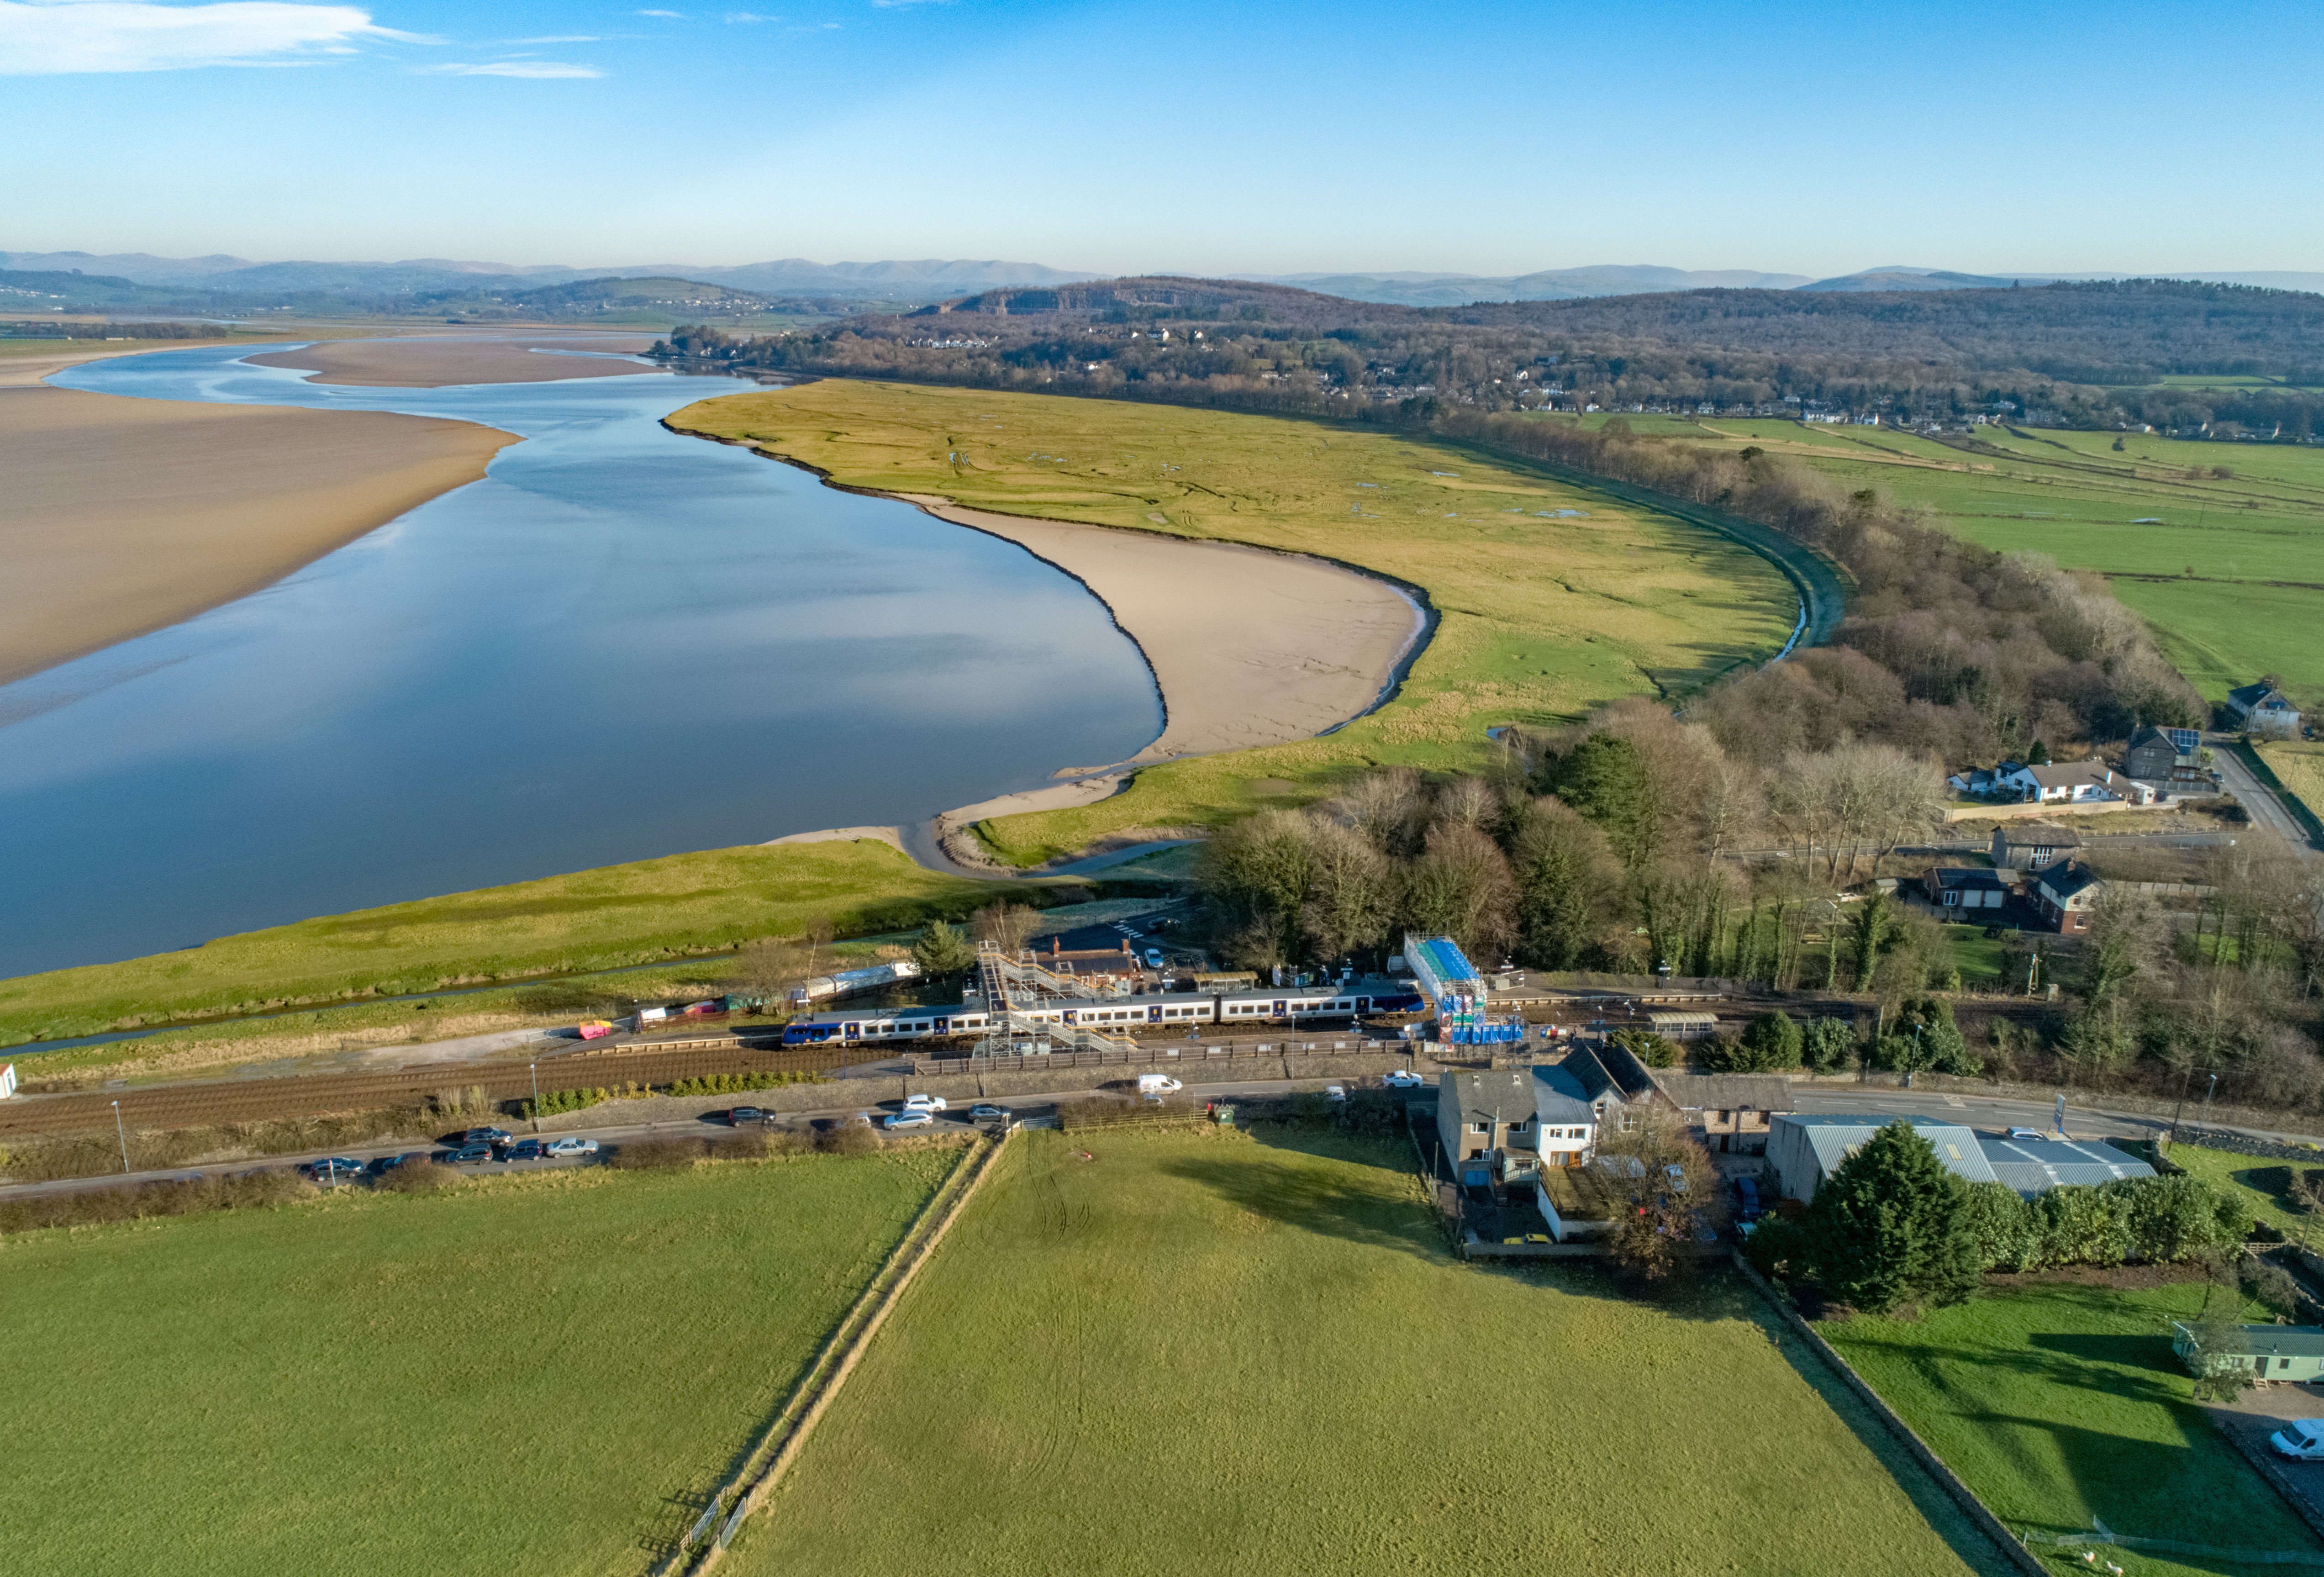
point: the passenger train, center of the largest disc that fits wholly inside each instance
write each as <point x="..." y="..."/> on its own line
<point x="1116" y="1015"/>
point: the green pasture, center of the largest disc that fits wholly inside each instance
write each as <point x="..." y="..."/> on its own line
<point x="1980" y="958"/>
<point x="2230" y="570"/>
<point x="640" y="913"/>
<point x="1209" y="1352"/>
<point x="535" y="1374"/>
<point x="1544" y="613"/>
<point x="2058" y="1402"/>
<point x="2300" y="767"/>
<point x="2264" y="1185"/>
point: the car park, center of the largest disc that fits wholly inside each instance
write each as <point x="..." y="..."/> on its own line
<point x="986" y="1112"/>
<point x="912" y="1118"/>
<point x="572" y="1147"/>
<point x="1404" y="1079"/>
<point x="2301" y="1440"/>
<point x="742" y="1114"/>
<point x="924" y="1104"/>
<point x="466" y="1155"/>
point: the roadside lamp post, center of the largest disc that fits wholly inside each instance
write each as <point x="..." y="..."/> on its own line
<point x="124" y="1132"/>
<point x="2208" y="1090"/>
<point x="536" y="1095"/>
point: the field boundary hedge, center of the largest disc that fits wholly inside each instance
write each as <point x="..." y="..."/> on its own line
<point x="1992" y="1526"/>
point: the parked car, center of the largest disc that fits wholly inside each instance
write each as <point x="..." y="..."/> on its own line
<point x="466" y="1154"/>
<point x="486" y="1136"/>
<point x="386" y="1164"/>
<point x="2026" y="1133"/>
<point x="1404" y="1079"/>
<point x="572" y="1147"/>
<point x="1747" y="1198"/>
<point x="528" y="1149"/>
<point x="1335" y="1092"/>
<point x="986" y="1112"/>
<point x="2301" y="1440"/>
<point x="742" y="1114"/>
<point x="924" y="1104"/>
<point x="1158" y="1085"/>
<point x="1154" y="958"/>
<point x="912" y="1118"/>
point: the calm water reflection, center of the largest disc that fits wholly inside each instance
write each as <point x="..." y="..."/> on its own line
<point x="621" y="644"/>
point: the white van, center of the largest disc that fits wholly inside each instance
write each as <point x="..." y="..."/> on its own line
<point x="1158" y="1085"/>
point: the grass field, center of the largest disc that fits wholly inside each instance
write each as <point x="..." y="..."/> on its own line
<point x="2058" y="1402"/>
<point x="2229" y="569"/>
<point x="1981" y="958"/>
<point x="1552" y="598"/>
<point x="534" y="1374"/>
<point x="592" y="919"/>
<point x="2301" y="769"/>
<point x="2263" y="1185"/>
<point x="1211" y="1353"/>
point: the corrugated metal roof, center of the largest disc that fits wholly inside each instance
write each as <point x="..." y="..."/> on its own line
<point x="2036" y="1165"/>
<point x="1833" y="1139"/>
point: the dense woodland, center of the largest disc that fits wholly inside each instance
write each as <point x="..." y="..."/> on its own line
<point x="2082" y="355"/>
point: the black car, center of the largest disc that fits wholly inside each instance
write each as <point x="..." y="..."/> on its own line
<point x="1746" y="1195"/>
<point x="528" y="1149"/>
<point x="466" y="1155"/>
<point x="386" y="1164"/>
<point x="487" y="1136"/>
<point x="335" y="1168"/>
<point x="742" y="1114"/>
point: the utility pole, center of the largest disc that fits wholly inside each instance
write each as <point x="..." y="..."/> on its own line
<point x="124" y="1132"/>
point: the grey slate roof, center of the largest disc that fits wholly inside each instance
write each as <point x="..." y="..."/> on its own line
<point x="1965" y="878"/>
<point x="1609" y="1071"/>
<point x="1488" y="1097"/>
<point x="1558" y="1096"/>
<point x="2037" y="834"/>
<point x="2063" y="882"/>
<point x="1726" y="1092"/>
<point x="1832" y="1137"/>
<point x="2036" y="1165"/>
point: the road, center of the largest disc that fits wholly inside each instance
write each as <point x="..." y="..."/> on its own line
<point x="1974" y="1110"/>
<point x="2255" y="796"/>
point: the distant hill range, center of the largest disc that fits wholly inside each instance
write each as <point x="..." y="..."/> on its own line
<point x="916" y="283"/>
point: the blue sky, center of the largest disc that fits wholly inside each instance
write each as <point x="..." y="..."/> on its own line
<point x="1195" y="136"/>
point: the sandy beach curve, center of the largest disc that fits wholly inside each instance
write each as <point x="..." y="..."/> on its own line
<point x="122" y="516"/>
<point x="442" y="361"/>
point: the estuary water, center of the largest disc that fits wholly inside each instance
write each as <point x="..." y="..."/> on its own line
<point x="621" y="644"/>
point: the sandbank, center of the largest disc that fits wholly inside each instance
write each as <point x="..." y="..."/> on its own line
<point x="122" y="516"/>
<point x="431" y="361"/>
<point x="1250" y="647"/>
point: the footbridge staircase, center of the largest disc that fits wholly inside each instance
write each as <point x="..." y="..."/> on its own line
<point x="1017" y="993"/>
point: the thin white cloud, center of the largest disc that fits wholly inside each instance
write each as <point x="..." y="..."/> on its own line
<point x="534" y="70"/>
<point x="749" y="16"/>
<point x="562" y="38"/>
<point x="673" y="15"/>
<point x="58" y="37"/>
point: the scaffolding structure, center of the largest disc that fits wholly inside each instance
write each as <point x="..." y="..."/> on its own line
<point x="1456" y="995"/>
<point x="1013" y="991"/>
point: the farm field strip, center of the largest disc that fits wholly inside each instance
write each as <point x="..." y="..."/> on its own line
<point x="537" y="1374"/>
<point x="1211" y="1352"/>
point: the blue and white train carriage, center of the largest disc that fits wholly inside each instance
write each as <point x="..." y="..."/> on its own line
<point x="1119" y="1015"/>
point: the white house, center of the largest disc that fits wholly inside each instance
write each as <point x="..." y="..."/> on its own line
<point x="1565" y="1124"/>
<point x="2264" y="709"/>
<point x="2063" y="783"/>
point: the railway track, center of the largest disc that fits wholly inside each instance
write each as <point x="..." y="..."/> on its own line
<point x="223" y="1100"/>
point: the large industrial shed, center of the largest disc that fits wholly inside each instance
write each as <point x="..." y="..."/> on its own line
<point x="1803" y="1150"/>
